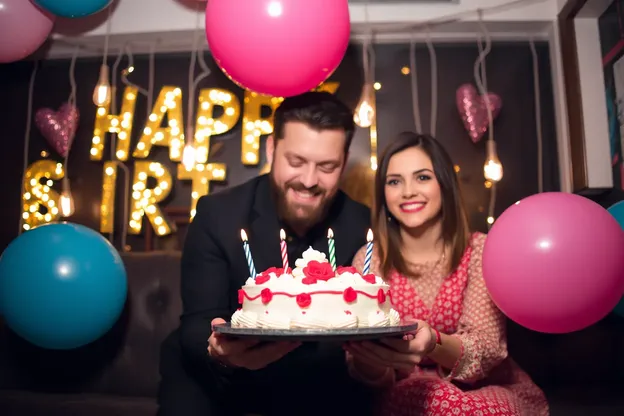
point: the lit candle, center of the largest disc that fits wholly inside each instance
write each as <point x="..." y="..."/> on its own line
<point x="332" y="248"/>
<point x="250" y="263"/>
<point x="284" y="249"/>
<point x="369" y="252"/>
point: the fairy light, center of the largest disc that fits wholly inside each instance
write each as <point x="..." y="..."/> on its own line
<point x="254" y="125"/>
<point x="37" y="193"/>
<point x="121" y="124"/>
<point x="169" y="102"/>
<point x="145" y="200"/>
<point x="107" y="206"/>
<point x="208" y="125"/>
<point x="201" y="176"/>
<point x="492" y="168"/>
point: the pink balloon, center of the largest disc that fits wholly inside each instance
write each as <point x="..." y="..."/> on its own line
<point x="278" y="47"/>
<point x="23" y="29"/>
<point x="554" y="262"/>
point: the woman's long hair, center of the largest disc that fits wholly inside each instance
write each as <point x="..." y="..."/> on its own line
<point x="455" y="229"/>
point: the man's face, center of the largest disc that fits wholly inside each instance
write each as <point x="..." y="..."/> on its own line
<point x="306" y="165"/>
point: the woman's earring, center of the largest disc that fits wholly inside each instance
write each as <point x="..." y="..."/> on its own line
<point x="389" y="218"/>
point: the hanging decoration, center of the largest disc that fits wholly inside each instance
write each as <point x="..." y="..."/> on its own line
<point x="58" y="127"/>
<point x="473" y="111"/>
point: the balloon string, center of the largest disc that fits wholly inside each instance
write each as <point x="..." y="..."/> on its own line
<point x="31" y="89"/>
<point x="434" y="85"/>
<point x="72" y="102"/>
<point x="414" y="86"/>
<point x="538" y="117"/>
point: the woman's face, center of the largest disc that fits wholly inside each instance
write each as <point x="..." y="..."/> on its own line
<point x="412" y="191"/>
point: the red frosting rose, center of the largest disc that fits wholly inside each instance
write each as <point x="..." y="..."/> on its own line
<point x="308" y="280"/>
<point x="369" y="278"/>
<point x="346" y="269"/>
<point x="262" y="278"/>
<point x="241" y="296"/>
<point x="266" y="295"/>
<point x="381" y="296"/>
<point x="304" y="300"/>
<point x="319" y="271"/>
<point x="349" y="295"/>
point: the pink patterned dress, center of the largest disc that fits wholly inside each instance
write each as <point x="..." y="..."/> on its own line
<point x="484" y="381"/>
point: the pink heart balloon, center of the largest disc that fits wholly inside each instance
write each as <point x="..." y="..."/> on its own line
<point x="473" y="111"/>
<point x="58" y="127"/>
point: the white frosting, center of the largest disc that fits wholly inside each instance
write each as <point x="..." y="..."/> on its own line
<point x="328" y="307"/>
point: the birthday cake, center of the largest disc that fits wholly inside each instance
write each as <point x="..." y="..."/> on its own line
<point x="314" y="296"/>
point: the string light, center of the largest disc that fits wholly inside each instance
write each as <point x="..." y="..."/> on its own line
<point x="37" y="195"/>
<point x="102" y="91"/>
<point x="200" y="176"/>
<point x="120" y="124"/>
<point x="405" y="70"/>
<point x="169" y="102"/>
<point x="377" y="86"/>
<point x="107" y="206"/>
<point x="66" y="201"/>
<point x="365" y="110"/>
<point x="492" y="168"/>
<point x="145" y="200"/>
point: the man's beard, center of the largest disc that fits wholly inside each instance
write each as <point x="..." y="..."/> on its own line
<point x="287" y="212"/>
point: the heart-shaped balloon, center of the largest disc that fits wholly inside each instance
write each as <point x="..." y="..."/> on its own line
<point x="473" y="110"/>
<point x="58" y="127"/>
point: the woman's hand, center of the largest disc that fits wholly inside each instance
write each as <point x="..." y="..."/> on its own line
<point x="401" y="354"/>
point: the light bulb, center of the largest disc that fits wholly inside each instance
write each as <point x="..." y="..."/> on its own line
<point x="365" y="110"/>
<point x="102" y="91"/>
<point x="66" y="201"/>
<point x="492" y="169"/>
<point x="188" y="157"/>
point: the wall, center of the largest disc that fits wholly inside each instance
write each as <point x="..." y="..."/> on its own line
<point x="509" y="75"/>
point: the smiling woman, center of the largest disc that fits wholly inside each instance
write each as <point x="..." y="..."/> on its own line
<point x="433" y="266"/>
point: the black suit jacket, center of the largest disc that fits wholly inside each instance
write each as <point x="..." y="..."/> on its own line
<point x="213" y="260"/>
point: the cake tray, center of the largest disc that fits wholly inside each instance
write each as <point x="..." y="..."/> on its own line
<point x="317" y="335"/>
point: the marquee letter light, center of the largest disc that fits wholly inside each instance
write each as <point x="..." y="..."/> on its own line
<point x="107" y="206"/>
<point x="169" y="103"/>
<point x="40" y="202"/>
<point x="209" y="125"/>
<point x="254" y="125"/>
<point x="200" y="177"/>
<point x="145" y="200"/>
<point x="110" y="123"/>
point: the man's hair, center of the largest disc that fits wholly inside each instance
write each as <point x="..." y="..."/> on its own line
<point x="318" y="110"/>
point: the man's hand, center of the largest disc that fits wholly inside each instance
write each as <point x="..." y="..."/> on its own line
<point x="246" y="353"/>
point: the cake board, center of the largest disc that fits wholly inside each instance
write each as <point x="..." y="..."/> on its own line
<point x="317" y="335"/>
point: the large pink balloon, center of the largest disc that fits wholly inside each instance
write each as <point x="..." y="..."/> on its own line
<point x="278" y="47"/>
<point x="23" y="29"/>
<point x="554" y="262"/>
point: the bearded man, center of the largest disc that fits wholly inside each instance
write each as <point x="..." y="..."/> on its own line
<point x="207" y="374"/>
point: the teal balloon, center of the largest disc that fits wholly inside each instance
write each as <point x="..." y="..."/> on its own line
<point x="62" y="286"/>
<point x="617" y="211"/>
<point x="73" y="8"/>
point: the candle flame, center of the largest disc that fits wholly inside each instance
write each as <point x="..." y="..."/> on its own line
<point x="330" y="233"/>
<point x="243" y="235"/>
<point x="369" y="235"/>
<point x="282" y="235"/>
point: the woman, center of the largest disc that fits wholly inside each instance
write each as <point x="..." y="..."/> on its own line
<point x="456" y="363"/>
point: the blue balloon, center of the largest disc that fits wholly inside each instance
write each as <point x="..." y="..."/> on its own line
<point x="62" y="285"/>
<point x="73" y="8"/>
<point x="617" y="211"/>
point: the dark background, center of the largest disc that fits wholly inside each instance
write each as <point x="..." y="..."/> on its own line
<point x="509" y="71"/>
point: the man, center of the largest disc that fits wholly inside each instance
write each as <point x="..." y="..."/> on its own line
<point x="208" y="374"/>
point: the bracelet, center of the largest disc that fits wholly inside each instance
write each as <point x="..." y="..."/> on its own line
<point x="438" y="340"/>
